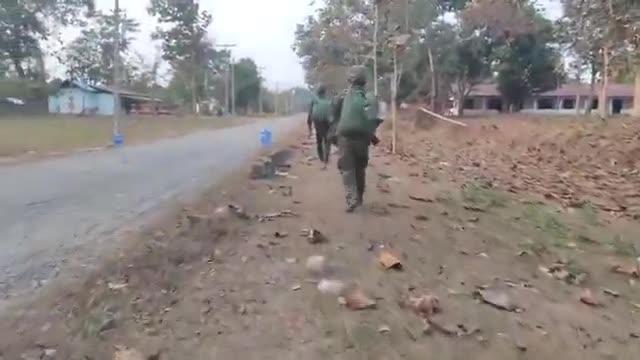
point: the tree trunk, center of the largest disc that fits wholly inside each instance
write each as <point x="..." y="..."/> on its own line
<point x="394" y="98"/>
<point x="434" y="91"/>
<point x="636" y="93"/>
<point x="602" y="101"/>
<point x="17" y="64"/>
<point x="592" y="89"/>
<point x="375" y="50"/>
<point x="460" y="104"/>
<point x="194" y="93"/>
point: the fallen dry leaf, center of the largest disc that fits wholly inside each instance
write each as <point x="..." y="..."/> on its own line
<point x="425" y="305"/>
<point x="497" y="298"/>
<point x="123" y="353"/>
<point x="587" y="297"/>
<point x="632" y="271"/>
<point x="420" y="199"/>
<point x="389" y="261"/>
<point x="356" y="299"/>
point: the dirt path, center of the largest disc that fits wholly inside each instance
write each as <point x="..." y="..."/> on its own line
<point x="218" y="286"/>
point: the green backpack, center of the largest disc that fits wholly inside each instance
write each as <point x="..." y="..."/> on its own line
<point x="321" y="109"/>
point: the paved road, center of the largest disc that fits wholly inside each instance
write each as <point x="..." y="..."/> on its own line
<point x="66" y="210"/>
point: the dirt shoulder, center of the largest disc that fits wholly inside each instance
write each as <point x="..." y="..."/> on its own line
<point x="212" y="284"/>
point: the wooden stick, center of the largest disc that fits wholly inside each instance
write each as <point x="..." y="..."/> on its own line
<point x="438" y="116"/>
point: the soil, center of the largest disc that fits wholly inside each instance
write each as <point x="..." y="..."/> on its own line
<point x="506" y="270"/>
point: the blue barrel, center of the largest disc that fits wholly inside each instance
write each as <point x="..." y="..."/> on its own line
<point x="118" y="139"/>
<point x="266" y="137"/>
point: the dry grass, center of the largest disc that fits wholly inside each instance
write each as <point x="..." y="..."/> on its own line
<point x="47" y="134"/>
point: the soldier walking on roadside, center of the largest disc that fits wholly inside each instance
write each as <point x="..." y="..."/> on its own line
<point x="354" y="132"/>
<point x="320" y="117"/>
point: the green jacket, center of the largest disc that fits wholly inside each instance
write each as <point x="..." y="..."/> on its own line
<point x="359" y="114"/>
<point x="320" y="109"/>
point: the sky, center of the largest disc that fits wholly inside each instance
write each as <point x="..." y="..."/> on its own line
<point x="261" y="29"/>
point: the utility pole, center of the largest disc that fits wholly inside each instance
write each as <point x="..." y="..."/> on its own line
<point x="116" y="70"/>
<point x="227" y="78"/>
<point x="276" y="97"/>
<point x="291" y="101"/>
<point x="260" y="110"/>
<point x="233" y="87"/>
<point x="375" y="48"/>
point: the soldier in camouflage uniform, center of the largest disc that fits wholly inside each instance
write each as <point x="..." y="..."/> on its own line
<point x="320" y="118"/>
<point x="354" y="131"/>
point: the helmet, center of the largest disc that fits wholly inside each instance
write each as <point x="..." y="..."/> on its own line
<point x="358" y="75"/>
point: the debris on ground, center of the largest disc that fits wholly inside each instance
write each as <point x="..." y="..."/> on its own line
<point x="420" y="199"/>
<point x="497" y="298"/>
<point x="356" y="299"/>
<point x="630" y="270"/>
<point x="379" y="210"/>
<point x="587" y="297"/>
<point x="384" y="329"/>
<point x="316" y="265"/>
<point x="116" y="286"/>
<point x="314" y="236"/>
<point x="426" y="305"/>
<point x="280" y="234"/>
<point x="389" y="260"/>
<point x="331" y="287"/>
<point x="561" y="272"/>
<point x="286" y="190"/>
<point x="239" y="211"/>
<point x="124" y="353"/>
<point x="611" y="292"/>
<point x="383" y="187"/>
<point x="276" y="215"/>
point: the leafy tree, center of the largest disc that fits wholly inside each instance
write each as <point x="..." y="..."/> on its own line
<point x="25" y="23"/>
<point x="528" y="63"/>
<point x="184" y="36"/>
<point x="90" y="56"/>
<point x="612" y="29"/>
<point x="247" y="83"/>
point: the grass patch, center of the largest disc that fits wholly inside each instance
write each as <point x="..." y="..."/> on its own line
<point x="623" y="248"/>
<point x="589" y="214"/>
<point x="548" y="223"/>
<point x="483" y="197"/>
<point x="45" y="134"/>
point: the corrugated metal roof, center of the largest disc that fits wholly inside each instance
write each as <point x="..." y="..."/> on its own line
<point x="78" y="84"/>
<point x="106" y="89"/>
<point x="568" y="89"/>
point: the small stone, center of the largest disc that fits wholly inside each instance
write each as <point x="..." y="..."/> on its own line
<point x="384" y="329"/>
<point x="107" y="324"/>
<point x="520" y="345"/>
<point x="35" y="354"/>
<point x="50" y="353"/>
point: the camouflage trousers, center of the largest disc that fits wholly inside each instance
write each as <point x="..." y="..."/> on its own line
<point x="322" y="140"/>
<point x="352" y="163"/>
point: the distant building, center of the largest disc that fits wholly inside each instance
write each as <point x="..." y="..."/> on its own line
<point x="76" y="97"/>
<point x="567" y="99"/>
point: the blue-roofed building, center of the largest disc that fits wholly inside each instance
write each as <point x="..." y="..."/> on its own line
<point x="79" y="98"/>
